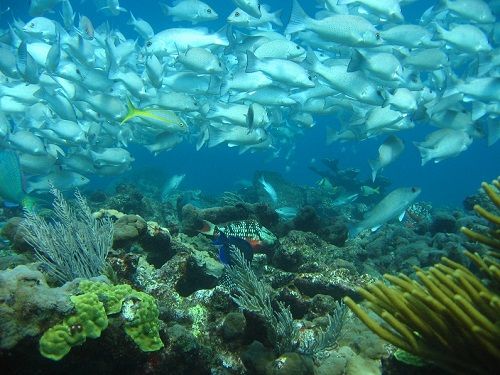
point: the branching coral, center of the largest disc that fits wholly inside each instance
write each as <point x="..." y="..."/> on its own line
<point x="450" y="316"/>
<point x="491" y="238"/>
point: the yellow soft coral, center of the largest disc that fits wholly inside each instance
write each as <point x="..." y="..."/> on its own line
<point x="492" y="238"/>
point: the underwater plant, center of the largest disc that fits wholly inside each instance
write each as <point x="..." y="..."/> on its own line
<point x="254" y="295"/>
<point x="450" y="316"/>
<point x="74" y="245"/>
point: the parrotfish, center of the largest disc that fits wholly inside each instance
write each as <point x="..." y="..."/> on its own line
<point x="250" y="230"/>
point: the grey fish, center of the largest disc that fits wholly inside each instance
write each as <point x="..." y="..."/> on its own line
<point x="393" y="205"/>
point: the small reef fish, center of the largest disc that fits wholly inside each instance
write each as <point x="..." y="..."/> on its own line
<point x="193" y="11"/>
<point x="388" y="152"/>
<point x="109" y="7"/>
<point x="241" y="18"/>
<point x="344" y="199"/>
<point x="326" y="184"/>
<point x="346" y="29"/>
<point x="164" y="118"/>
<point x="38" y="7"/>
<point x="250" y="230"/>
<point x="269" y="189"/>
<point x="226" y="245"/>
<point x="391" y="206"/>
<point x="287" y="212"/>
<point x="443" y="144"/>
<point x="11" y="185"/>
<point x="367" y="191"/>
<point x="252" y="7"/>
<point x="171" y="184"/>
<point x="85" y="28"/>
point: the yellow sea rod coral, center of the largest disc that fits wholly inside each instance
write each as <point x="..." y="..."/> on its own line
<point x="492" y="238"/>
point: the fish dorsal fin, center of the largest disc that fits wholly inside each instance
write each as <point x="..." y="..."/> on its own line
<point x="401" y="216"/>
<point x="375" y="228"/>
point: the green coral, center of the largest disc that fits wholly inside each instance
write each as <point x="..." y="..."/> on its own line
<point x="111" y="296"/>
<point x="89" y="321"/>
<point x="92" y="307"/>
<point x="198" y="314"/>
<point x="142" y="324"/>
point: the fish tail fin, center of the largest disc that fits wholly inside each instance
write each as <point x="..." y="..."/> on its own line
<point x="276" y="17"/>
<point x="214" y="85"/>
<point x="478" y="110"/>
<point x="312" y="60"/>
<point x="357" y="61"/>
<point x="298" y="19"/>
<point x="215" y="136"/>
<point x="225" y="87"/>
<point x="425" y="153"/>
<point x="375" y="166"/>
<point x="132" y="19"/>
<point x="202" y="138"/>
<point x="440" y="6"/>
<point x="222" y="35"/>
<point x="113" y="70"/>
<point x="207" y="228"/>
<point x="131" y="113"/>
<point x="387" y="98"/>
<point x="439" y="30"/>
<point x="353" y="231"/>
<point x="252" y="63"/>
<point x="165" y="8"/>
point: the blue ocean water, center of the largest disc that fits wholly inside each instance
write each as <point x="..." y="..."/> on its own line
<point x="214" y="170"/>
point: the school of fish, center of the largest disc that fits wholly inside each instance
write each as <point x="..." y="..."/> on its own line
<point x="73" y="97"/>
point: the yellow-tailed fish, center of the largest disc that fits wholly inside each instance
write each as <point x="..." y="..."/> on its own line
<point x="159" y="117"/>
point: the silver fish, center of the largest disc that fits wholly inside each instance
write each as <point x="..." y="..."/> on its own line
<point x="391" y="206"/>
<point x="388" y="152"/>
<point x="193" y="11"/>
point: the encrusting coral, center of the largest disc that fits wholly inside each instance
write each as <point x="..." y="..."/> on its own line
<point x="449" y="317"/>
<point x="92" y="307"/>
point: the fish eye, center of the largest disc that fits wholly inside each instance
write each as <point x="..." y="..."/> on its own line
<point x="309" y="78"/>
<point x="181" y="124"/>
<point x="413" y="190"/>
<point x="78" y="71"/>
<point x="148" y="43"/>
<point x="209" y="10"/>
<point x="220" y="64"/>
<point x="377" y="35"/>
<point x="298" y="47"/>
<point x="32" y="25"/>
<point x="236" y="14"/>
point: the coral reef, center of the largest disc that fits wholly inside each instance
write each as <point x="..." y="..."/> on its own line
<point x="169" y="288"/>
<point x="450" y="316"/>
